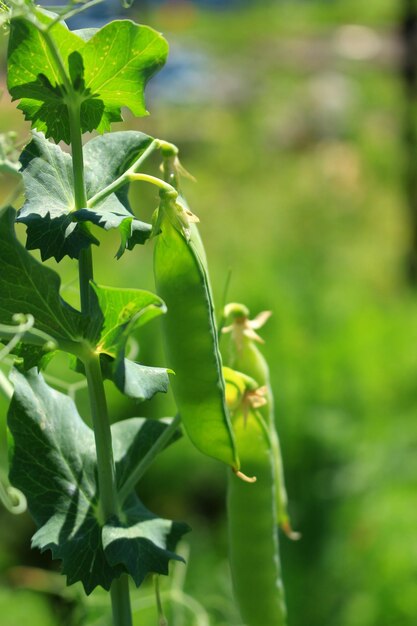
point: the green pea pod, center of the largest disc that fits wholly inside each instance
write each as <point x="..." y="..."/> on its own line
<point x="244" y="355"/>
<point x="190" y="331"/>
<point x="252" y="515"/>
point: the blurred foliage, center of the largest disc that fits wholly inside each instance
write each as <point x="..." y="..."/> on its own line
<point x="291" y="122"/>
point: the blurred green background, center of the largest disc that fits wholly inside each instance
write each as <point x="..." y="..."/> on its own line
<point x="293" y="118"/>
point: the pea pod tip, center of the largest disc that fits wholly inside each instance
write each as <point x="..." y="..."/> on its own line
<point x="242" y="476"/>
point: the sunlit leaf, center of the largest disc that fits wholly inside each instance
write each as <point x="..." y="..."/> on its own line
<point x="53" y="224"/>
<point x="122" y="311"/>
<point x="108" y="70"/>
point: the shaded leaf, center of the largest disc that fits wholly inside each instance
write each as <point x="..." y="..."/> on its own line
<point x="28" y="287"/>
<point x="142" y="543"/>
<point x="28" y="357"/>
<point x="54" y="464"/>
<point x="132" y="438"/>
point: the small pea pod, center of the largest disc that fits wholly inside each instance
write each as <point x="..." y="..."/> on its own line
<point x="190" y="332"/>
<point x="252" y="515"/>
<point x="243" y="354"/>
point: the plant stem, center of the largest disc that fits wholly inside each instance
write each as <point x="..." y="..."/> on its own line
<point x="74" y="112"/>
<point x="85" y="260"/>
<point x="134" y="477"/>
<point x="65" y="15"/>
<point x="126" y="176"/>
<point x="162" y="620"/>
<point x="101" y="424"/>
<point x="147" y="178"/>
<point x="122" y="610"/>
<point x="109" y="503"/>
<point x="85" y="268"/>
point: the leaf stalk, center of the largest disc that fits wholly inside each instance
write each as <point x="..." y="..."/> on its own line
<point x="109" y="503"/>
<point x="131" y="175"/>
<point x="122" y="611"/>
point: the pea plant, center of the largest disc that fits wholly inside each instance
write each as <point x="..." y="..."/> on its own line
<point x="80" y="482"/>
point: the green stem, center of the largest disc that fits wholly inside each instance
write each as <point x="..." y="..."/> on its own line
<point x="74" y="112"/>
<point x="136" y="474"/>
<point x="147" y="178"/>
<point x="122" y="611"/>
<point x="70" y="12"/>
<point x="105" y="463"/>
<point x="109" y="503"/>
<point x="162" y="620"/>
<point x="128" y="176"/>
<point x="85" y="270"/>
<point x="85" y="259"/>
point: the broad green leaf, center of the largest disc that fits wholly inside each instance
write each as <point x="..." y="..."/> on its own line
<point x="109" y="70"/>
<point x="114" y="152"/>
<point x="28" y="287"/>
<point x="137" y="381"/>
<point x="53" y="463"/>
<point x="53" y="224"/>
<point x="128" y="543"/>
<point x="33" y="77"/>
<point x="132" y="438"/>
<point x="119" y="60"/>
<point x="123" y="311"/>
<point x="49" y="207"/>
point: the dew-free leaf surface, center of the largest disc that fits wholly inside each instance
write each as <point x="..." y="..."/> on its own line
<point x="121" y="312"/>
<point x="121" y="309"/>
<point x="54" y="464"/>
<point x="53" y="224"/>
<point x="28" y="287"/>
<point x="109" y="70"/>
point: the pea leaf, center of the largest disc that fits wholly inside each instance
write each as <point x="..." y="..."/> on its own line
<point x="33" y="76"/>
<point x="53" y="225"/>
<point x="127" y="543"/>
<point x="28" y="287"/>
<point x="122" y="311"/>
<point x="53" y="463"/>
<point x="132" y="439"/>
<point x="109" y="70"/>
<point x="140" y="382"/>
<point x="48" y="210"/>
